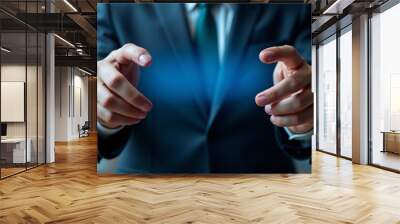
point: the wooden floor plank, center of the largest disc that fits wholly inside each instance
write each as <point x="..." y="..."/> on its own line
<point x="70" y="191"/>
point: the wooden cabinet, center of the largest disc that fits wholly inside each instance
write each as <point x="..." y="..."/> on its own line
<point x="391" y="142"/>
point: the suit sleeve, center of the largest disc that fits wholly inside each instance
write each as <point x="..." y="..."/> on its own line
<point x="299" y="149"/>
<point x="302" y="35"/>
<point x="107" y="41"/>
<point x="109" y="145"/>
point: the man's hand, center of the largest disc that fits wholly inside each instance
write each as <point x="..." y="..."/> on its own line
<point x="290" y="100"/>
<point x="119" y="103"/>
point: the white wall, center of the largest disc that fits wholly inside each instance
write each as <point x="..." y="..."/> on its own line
<point x="70" y="83"/>
<point x="61" y="103"/>
<point x="80" y="102"/>
<point x="12" y="73"/>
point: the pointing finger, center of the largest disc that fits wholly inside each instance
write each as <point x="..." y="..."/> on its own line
<point x="130" y="53"/>
<point x="286" y="54"/>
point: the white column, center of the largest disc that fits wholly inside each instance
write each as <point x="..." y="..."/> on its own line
<point x="50" y="99"/>
<point x="360" y="90"/>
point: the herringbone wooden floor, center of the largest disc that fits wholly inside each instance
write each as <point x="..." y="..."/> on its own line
<point x="70" y="191"/>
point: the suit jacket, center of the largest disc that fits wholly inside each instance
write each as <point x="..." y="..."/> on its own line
<point x="185" y="132"/>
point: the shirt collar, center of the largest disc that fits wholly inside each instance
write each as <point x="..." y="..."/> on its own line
<point x="191" y="6"/>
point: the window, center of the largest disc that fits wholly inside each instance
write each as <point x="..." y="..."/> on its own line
<point x="327" y="95"/>
<point x="346" y="92"/>
<point x="385" y="89"/>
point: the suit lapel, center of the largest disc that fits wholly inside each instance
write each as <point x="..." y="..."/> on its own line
<point x="173" y="21"/>
<point x="243" y="22"/>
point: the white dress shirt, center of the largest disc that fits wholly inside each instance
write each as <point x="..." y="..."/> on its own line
<point x="223" y="15"/>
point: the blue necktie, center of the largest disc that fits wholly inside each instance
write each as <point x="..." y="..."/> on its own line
<point x="207" y="47"/>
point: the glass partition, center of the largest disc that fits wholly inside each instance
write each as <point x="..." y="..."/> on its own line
<point x="41" y="96"/>
<point x="32" y="84"/>
<point x="14" y="153"/>
<point x="31" y="97"/>
<point x="22" y="78"/>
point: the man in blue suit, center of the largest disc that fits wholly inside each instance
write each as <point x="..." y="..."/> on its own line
<point x="177" y="82"/>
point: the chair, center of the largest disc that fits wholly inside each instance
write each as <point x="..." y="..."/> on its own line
<point x="84" y="130"/>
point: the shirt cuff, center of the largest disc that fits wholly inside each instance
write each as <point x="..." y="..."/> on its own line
<point x="299" y="137"/>
<point x="108" y="131"/>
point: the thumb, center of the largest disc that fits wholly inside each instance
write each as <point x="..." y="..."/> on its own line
<point x="278" y="73"/>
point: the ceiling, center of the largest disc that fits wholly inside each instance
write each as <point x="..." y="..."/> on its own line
<point x="72" y="20"/>
<point x="16" y="42"/>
